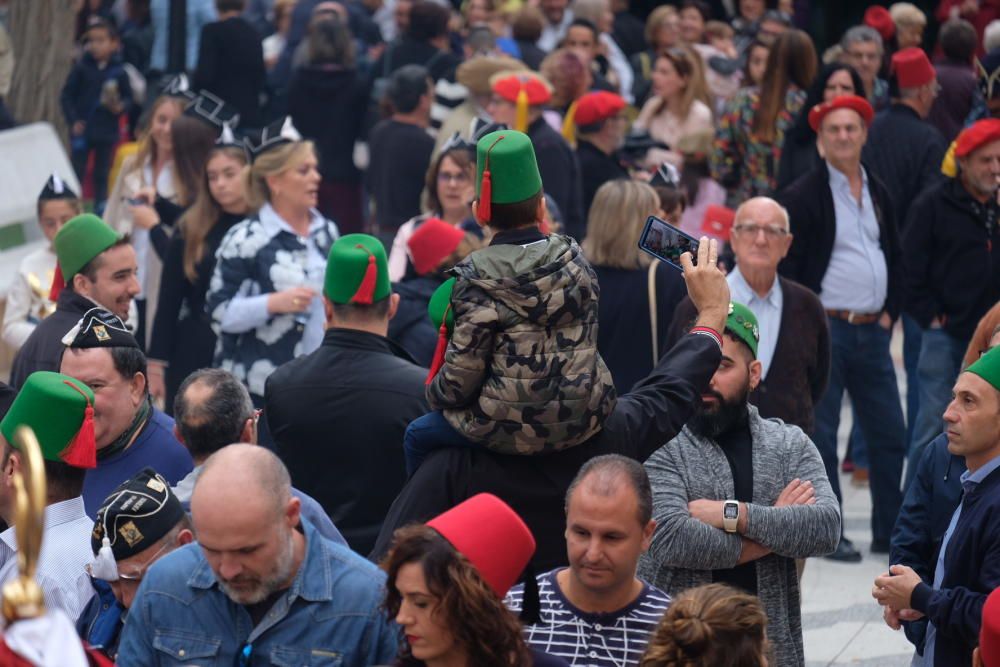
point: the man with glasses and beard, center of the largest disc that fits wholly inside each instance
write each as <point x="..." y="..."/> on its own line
<point x="737" y="498"/>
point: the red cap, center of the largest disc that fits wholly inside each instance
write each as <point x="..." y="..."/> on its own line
<point x="878" y="17"/>
<point x="989" y="633"/>
<point x="852" y="102"/>
<point x="595" y="107"/>
<point x="491" y="536"/>
<point x="432" y="241"/>
<point x="510" y="85"/>
<point x="718" y="221"/>
<point x="912" y="68"/>
<point x="976" y="135"/>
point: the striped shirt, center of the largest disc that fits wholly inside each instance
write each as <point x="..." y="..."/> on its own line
<point x="587" y="639"/>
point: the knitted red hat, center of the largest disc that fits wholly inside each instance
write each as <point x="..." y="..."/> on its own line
<point x="989" y="633"/>
<point x="718" y="221"/>
<point x="597" y="106"/>
<point x="912" y="68"/>
<point x="977" y="135"/>
<point x="491" y="536"/>
<point x="878" y="17"/>
<point x="433" y="241"/>
<point x="852" y="102"/>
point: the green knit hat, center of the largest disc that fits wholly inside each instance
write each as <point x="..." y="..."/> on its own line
<point x="59" y="409"/>
<point x="357" y="271"/>
<point x="506" y="170"/>
<point x="742" y="323"/>
<point x="80" y="240"/>
<point x="439" y="307"/>
<point x="988" y="367"/>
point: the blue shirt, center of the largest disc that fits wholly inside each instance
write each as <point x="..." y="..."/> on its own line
<point x="857" y="277"/>
<point x="969" y="482"/>
<point x="199" y="12"/>
<point x="330" y="615"/>
<point x="767" y="309"/>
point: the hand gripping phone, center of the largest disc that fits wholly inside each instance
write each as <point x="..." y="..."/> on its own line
<point x="664" y="241"/>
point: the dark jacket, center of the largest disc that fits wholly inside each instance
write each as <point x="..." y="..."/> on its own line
<point x="798" y="154"/>
<point x="535" y="487"/>
<point x="81" y="97"/>
<point x="596" y="169"/>
<point x="560" y="173"/>
<point x="338" y="416"/>
<point x="411" y="327"/>
<point x="905" y="152"/>
<point x="800" y="368"/>
<point x="810" y="206"/>
<point x="44" y="349"/>
<point x="952" y="259"/>
<point x="951" y="108"/>
<point x="395" y="177"/>
<point x="971" y="572"/>
<point x="923" y="519"/>
<point x="408" y="51"/>
<point x="231" y="65"/>
<point x="326" y="103"/>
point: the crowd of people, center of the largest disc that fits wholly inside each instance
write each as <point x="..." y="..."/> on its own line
<point x="347" y="352"/>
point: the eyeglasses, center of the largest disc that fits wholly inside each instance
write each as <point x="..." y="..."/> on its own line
<point x="459" y="178"/>
<point x="134" y="574"/>
<point x="752" y="230"/>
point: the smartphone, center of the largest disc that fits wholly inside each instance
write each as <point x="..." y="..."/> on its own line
<point x="664" y="241"/>
<point x="135" y="201"/>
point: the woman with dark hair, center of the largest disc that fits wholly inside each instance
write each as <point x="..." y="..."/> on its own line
<point x="326" y="99"/>
<point x="752" y="130"/>
<point x="445" y="584"/>
<point x="755" y="63"/>
<point x="799" y="153"/>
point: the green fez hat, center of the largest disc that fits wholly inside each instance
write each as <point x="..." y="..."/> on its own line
<point x="439" y="307"/>
<point x="742" y="323"/>
<point x="80" y="240"/>
<point x="506" y="170"/>
<point x="60" y="410"/>
<point x="357" y="271"/>
<point x="988" y="367"/>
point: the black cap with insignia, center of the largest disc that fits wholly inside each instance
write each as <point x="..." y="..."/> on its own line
<point x="212" y="110"/>
<point x="99" y="328"/>
<point x="56" y="188"/>
<point x="136" y="515"/>
<point x="274" y="135"/>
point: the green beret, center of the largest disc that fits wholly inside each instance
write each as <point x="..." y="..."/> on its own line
<point x="80" y="240"/>
<point x="742" y="323"/>
<point x="357" y="271"/>
<point x="439" y="306"/>
<point x="510" y="158"/>
<point x="988" y="367"/>
<point x="59" y="409"/>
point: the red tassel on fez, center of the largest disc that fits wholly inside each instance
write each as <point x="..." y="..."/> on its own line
<point x="81" y="452"/>
<point x="365" y="293"/>
<point x="58" y="283"/>
<point x="437" y="361"/>
<point x="483" y="211"/>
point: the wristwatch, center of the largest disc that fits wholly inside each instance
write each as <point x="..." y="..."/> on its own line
<point x="730" y="515"/>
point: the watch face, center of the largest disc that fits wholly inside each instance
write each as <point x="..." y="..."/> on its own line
<point x="731" y="511"/>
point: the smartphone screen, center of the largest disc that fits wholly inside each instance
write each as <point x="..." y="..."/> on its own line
<point x="664" y="241"/>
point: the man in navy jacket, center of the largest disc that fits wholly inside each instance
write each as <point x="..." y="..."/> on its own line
<point x="968" y="564"/>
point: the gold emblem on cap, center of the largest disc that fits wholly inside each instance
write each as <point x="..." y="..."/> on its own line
<point x="131" y="533"/>
<point x="102" y="333"/>
<point x="156" y="485"/>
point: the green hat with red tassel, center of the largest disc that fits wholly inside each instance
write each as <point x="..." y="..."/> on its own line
<point x="60" y="410"/>
<point x="506" y="171"/>
<point x="78" y="241"/>
<point x="357" y="271"/>
<point x="443" y="317"/>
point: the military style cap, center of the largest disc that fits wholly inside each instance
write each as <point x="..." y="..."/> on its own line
<point x="274" y="135"/>
<point x="506" y="170"/>
<point x="56" y="188"/>
<point x="213" y="110"/>
<point x="99" y="328"/>
<point x="742" y="323"/>
<point x="988" y="367"/>
<point x="80" y="240"/>
<point x="60" y="410"/>
<point x="136" y="515"/>
<point x="357" y="271"/>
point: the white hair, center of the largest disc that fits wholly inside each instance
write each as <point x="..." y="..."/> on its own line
<point x="991" y="36"/>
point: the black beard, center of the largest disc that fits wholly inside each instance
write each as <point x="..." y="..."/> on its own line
<point x="710" y="423"/>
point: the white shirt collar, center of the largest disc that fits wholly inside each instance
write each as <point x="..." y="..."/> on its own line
<point x="274" y="224"/>
<point x="741" y="282"/>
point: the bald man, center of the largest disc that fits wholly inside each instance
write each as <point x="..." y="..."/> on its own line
<point x="261" y="585"/>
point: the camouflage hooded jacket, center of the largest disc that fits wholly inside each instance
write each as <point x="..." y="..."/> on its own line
<point x="522" y="373"/>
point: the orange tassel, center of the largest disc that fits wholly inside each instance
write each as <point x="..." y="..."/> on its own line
<point x="58" y="283"/>
<point x="81" y="452"/>
<point x="437" y="361"/>
<point x="365" y="293"/>
<point x="521" y="111"/>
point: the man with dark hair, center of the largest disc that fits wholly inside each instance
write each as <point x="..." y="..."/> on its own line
<point x="958" y="41"/>
<point x="95" y="266"/>
<point x="395" y="176"/>
<point x="557" y="19"/>
<point x="600" y="130"/>
<point x="596" y="611"/>
<point x="212" y="410"/>
<point x="338" y="415"/>
<point x="56" y="408"/>
<point x="130" y="433"/>
<point x="737" y="498"/>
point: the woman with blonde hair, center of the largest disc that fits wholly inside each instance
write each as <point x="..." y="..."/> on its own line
<point x="678" y="105"/>
<point x="638" y="295"/>
<point x="661" y="34"/>
<point x="710" y="626"/>
<point x="265" y="297"/>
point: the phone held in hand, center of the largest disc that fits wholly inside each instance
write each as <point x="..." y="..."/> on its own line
<point x="665" y="242"/>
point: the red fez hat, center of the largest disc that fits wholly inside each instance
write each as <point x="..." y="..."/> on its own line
<point x="595" y="107"/>
<point x="878" y="17"/>
<point x="912" y="68"/>
<point x="718" y="221"/>
<point x="852" y="102"/>
<point x="989" y="633"/>
<point x="491" y="536"/>
<point x="509" y="86"/>
<point x="976" y="135"/>
<point x="432" y="241"/>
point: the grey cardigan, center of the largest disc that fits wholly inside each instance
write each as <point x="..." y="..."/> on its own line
<point x="684" y="551"/>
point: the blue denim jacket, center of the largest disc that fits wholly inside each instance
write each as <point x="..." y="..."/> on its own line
<point x="330" y="616"/>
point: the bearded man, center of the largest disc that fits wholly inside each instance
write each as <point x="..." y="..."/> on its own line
<point x="737" y="498"/>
